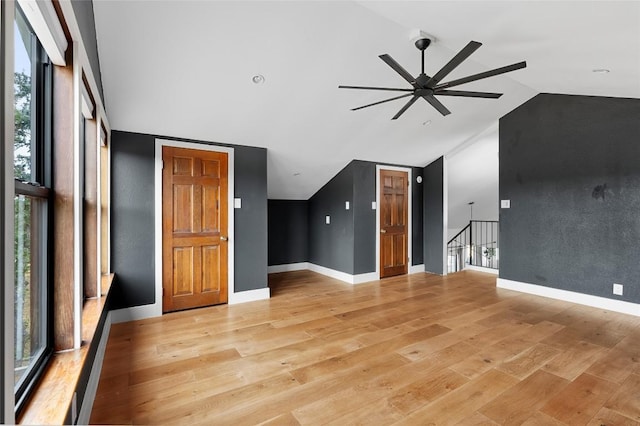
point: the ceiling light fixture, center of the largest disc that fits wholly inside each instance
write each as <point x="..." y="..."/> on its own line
<point x="257" y="79"/>
<point x="601" y="71"/>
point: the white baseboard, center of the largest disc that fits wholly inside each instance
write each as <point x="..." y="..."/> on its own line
<point x="338" y="275"/>
<point x="343" y="276"/>
<point x="249" y="296"/>
<point x="571" y="296"/>
<point x="482" y="269"/>
<point x="94" y="376"/>
<point x="150" y="311"/>
<point x="301" y="266"/>
<point x="416" y="269"/>
<point x="135" y="313"/>
<point x="365" y="278"/>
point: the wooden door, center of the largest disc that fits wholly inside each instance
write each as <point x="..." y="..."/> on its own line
<point x="194" y="228"/>
<point x="394" y="201"/>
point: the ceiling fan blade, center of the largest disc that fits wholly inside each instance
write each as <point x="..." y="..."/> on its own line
<point x="381" y="102"/>
<point x="398" y="68"/>
<point x="467" y="94"/>
<point x="482" y="75"/>
<point x="405" y="107"/>
<point x="376" y="88"/>
<point x="437" y="104"/>
<point x="453" y="63"/>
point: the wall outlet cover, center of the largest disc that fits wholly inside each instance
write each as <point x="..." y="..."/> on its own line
<point x="505" y="204"/>
<point x="237" y="203"/>
<point x="346" y="205"/>
<point x="327" y="219"/>
<point x="618" y="289"/>
<point x="374" y="205"/>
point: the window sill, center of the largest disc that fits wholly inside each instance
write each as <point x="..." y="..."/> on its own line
<point x="52" y="398"/>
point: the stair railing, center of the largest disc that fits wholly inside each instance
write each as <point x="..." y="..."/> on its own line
<point x="475" y="245"/>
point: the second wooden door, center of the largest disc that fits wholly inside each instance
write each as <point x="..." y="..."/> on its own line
<point x="394" y="200"/>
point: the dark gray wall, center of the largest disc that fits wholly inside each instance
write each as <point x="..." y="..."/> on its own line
<point x="417" y="207"/>
<point x="571" y="167"/>
<point x="364" y="217"/>
<point x="434" y="217"/>
<point x="332" y="245"/>
<point x="350" y="246"/>
<point x="132" y="217"/>
<point x="83" y="10"/>
<point x="288" y="231"/>
<point x="251" y="220"/>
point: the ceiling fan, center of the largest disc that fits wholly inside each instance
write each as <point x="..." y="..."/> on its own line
<point x="429" y="87"/>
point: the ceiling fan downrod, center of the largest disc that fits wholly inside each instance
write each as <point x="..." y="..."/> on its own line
<point x="422" y="44"/>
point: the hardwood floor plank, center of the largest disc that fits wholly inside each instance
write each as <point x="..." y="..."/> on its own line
<point x="516" y="405"/>
<point x="528" y="361"/>
<point x="413" y="349"/>
<point x="575" y="360"/>
<point x="616" y="365"/>
<point x="411" y="397"/>
<point x="579" y="401"/>
<point x="626" y="400"/>
<point x="462" y="402"/>
<point x="351" y="359"/>
<point x="491" y="356"/>
<point x="608" y="417"/>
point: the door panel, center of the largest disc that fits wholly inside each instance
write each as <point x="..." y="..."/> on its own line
<point x="194" y="220"/>
<point x="394" y="188"/>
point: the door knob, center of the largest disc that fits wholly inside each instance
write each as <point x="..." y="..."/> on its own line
<point x="383" y="231"/>
<point x="223" y="238"/>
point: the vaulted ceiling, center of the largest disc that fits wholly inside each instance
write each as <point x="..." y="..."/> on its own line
<point x="185" y="68"/>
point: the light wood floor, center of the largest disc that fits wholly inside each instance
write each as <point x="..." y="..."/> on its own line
<point x="413" y="350"/>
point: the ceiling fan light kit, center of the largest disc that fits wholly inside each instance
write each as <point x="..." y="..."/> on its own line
<point x="428" y="87"/>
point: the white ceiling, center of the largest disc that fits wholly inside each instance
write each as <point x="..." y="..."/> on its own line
<point x="184" y="68"/>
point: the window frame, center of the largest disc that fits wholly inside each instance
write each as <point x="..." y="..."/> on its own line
<point x="39" y="188"/>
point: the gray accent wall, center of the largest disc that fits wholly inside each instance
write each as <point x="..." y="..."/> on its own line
<point x="288" y="231"/>
<point x="132" y="218"/>
<point x="133" y="212"/>
<point x="83" y="10"/>
<point x="332" y="245"/>
<point x="571" y="167"/>
<point x="433" y="242"/>
<point x="348" y="243"/>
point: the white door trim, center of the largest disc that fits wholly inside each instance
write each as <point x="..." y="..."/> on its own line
<point x="157" y="306"/>
<point x="409" y="171"/>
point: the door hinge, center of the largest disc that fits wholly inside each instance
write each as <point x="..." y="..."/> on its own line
<point x="162" y="165"/>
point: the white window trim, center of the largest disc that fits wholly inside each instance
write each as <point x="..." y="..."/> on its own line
<point x="78" y="291"/>
<point x="7" y="405"/>
<point x="45" y="23"/>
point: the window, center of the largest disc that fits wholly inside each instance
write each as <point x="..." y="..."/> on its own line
<point x="32" y="168"/>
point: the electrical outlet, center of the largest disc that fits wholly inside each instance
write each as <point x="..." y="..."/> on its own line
<point x="327" y="219"/>
<point x="617" y="289"/>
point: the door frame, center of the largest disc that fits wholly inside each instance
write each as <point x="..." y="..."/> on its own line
<point x="409" y="171"/>
<point x="159" y="143"/>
